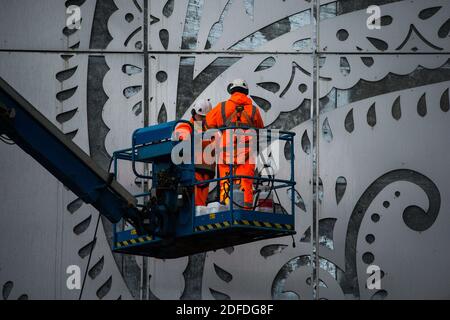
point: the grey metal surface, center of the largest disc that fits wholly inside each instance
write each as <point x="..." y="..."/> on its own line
<point x="211" y="25"/>
<point x="99" y="101"/>
<point x="409" y="243"/>
<point x="406" y="26"/>
<point x="51" y="230"/>
<point x="39" y="25"/>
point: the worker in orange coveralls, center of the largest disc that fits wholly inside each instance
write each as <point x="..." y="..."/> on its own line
<point x="237" y="111"/>
<point x="203" y="171"/>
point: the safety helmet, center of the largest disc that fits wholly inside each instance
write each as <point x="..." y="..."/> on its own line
<point x="202" y="107"/>
<point x="237" y="85"/>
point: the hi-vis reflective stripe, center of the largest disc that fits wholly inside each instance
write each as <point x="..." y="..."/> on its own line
<point x="264" y="224"/>
<point x="213" y="226"/>
<point x="134" y="241"/>
<point x="252" y="223"/>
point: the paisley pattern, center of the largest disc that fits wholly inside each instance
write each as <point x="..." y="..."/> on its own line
<point x="379" y="157"/>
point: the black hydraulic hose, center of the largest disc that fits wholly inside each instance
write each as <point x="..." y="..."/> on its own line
<point x="94" y="242"/>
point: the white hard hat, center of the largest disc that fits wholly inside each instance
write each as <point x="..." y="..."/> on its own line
<point x="202" y="107"/>
<point x="237" y="83"/>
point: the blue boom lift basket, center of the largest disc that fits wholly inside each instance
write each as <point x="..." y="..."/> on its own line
<point x="166" y="212"/>
<point x="187" y="233"/>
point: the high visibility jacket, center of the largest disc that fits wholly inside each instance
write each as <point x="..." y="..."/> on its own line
<point x="184" y="131"/>
<point x="203" y="171"/>
<point x="235" y="112"/>
<point x="224" y="114"/>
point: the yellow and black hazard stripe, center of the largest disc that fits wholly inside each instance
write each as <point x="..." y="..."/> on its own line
<point x="264" y="224"/>
<point x="213" y="226"/>
<point x="134" y="241"/>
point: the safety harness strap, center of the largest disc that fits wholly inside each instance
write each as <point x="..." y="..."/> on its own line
<point x="227" y="121"/>
<point x="222" y="110"/>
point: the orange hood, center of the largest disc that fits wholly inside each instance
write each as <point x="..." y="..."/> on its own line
<point x="240" y="99"/>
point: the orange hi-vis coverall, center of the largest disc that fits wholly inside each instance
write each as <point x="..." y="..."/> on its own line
<point x="237" y="111"/>
<point x="203" y="172"/>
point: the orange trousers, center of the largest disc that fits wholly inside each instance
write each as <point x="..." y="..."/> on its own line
<point x="246" y="185"/>
<point x="201" y="190"/>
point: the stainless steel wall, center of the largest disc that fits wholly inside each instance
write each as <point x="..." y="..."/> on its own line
<point x="369" y="106"/>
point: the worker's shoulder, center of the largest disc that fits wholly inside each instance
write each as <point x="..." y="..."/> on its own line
<point x="184" y="126"/>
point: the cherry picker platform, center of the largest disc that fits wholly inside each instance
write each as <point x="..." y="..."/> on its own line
<point x="160" y="222"/>
<point x="171" y="203"/>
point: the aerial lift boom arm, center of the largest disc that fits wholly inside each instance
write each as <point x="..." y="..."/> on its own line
<point x="41" y="139"/>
